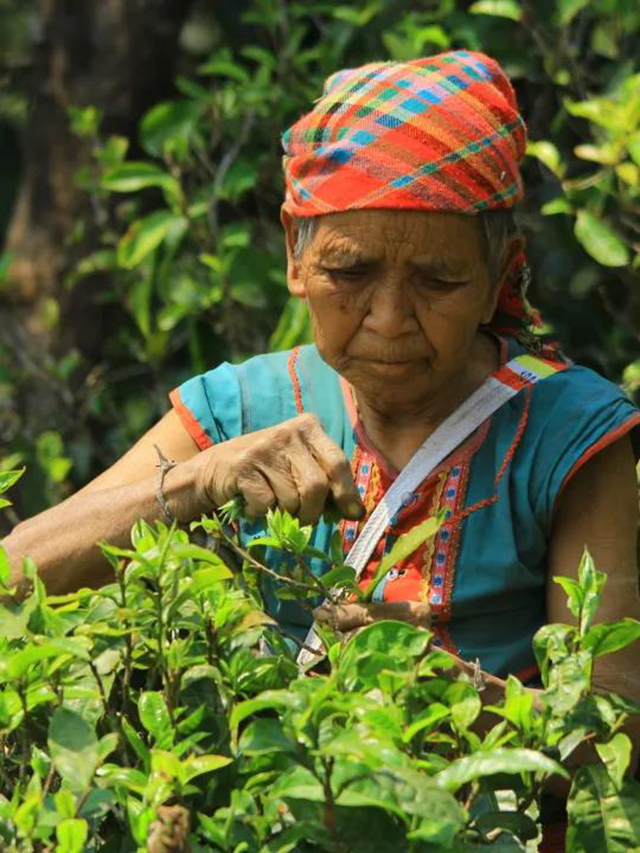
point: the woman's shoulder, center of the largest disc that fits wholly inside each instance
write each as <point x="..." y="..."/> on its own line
<point x="266" y="389"/>
<point x="573" y="414"/>
<point x="566" y="386"/>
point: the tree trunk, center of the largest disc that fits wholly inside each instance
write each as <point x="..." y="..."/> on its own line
<point x="117" y="55"/>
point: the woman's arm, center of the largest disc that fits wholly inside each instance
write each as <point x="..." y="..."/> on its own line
<point x="62" y="540"/>
<point x="599" y="509"/>
<point x="294" y="465"/>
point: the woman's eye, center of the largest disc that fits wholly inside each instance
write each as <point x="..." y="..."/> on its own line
<point x="441" y="284"/>
<point x="346" y="273"/>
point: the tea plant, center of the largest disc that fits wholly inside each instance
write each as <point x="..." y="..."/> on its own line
<point x="166" y="711"/>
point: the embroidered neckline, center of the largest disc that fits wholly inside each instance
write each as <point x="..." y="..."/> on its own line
<point x="385" y="466"/>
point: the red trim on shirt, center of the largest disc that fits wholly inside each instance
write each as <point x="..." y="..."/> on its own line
<point x="295" y="379"/>
<point x="599" y="445"/>
<point x="189" y="421"/>
<point x="532" y="671"/>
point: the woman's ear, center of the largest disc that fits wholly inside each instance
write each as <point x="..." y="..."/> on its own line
<point x="294" y="279"/>
<point x="515" y="247"/>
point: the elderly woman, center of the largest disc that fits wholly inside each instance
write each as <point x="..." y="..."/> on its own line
<point x="400" y="238"/>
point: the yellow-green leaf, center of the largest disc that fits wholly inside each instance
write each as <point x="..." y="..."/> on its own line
<point x="600" y="240"/>
<point x="498" y="8"/>
<point x="145" y="235"/>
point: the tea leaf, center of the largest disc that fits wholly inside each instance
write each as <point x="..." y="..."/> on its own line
<point x="71" y="835"/>
<point x="602" y="817"/>
<point x="616" y="756"/>
<point x="405" y="546"/>
<point x="73" y="746"/>
<point x="600" y="241"/>
<point x="154" y="714"/>
<point x="512" y="761"/>
<point x="610" y="637"/>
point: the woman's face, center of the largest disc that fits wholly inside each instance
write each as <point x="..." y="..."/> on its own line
<point x="395" y="297"/>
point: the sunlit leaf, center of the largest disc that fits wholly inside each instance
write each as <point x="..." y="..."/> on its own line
<point x="616" y="756"/>
<point x="133" y="176"/>
<point x="406" y="544"/>
<point x="498" y="8"/>
<point x="547" y="153"/>
<point x="602" y="817"/>
<point x="609" y="637"/>
<point x="168" y="125"/>
<point x="145" y="235"/>
<point x="511" y="761"/>
<point x="600" y="241"/>
<point x="154" y="714"/>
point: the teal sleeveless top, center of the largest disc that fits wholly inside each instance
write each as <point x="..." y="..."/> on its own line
<point x="484" y="574"/>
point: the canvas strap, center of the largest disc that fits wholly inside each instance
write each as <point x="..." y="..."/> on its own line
<point x="501" y="386"/>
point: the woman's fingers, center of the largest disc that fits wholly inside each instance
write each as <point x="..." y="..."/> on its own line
<point x="257" y="493"/>
<point x="312" y="485"/>
<point x="337" y="469"/>
<point x="346" y="617"/>
<point x="293" y="465"/>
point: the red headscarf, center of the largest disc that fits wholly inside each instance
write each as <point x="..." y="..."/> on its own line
<point x="440" y="133"/>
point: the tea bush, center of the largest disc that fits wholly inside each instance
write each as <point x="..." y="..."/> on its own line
<point x="166" y="712"/>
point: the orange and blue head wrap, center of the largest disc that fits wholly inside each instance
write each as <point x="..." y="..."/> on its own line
<point x="441" y="133"/>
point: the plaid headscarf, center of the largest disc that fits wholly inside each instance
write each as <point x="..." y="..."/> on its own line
<point x="440" y="133"/>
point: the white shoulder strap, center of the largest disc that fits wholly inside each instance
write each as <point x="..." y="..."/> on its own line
<point x="500" y="387"/>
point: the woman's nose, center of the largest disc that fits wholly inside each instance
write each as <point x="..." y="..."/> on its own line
<point x="390" y="312"/>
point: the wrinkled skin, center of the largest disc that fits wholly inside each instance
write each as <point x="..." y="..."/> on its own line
<point x="396" y="299"/>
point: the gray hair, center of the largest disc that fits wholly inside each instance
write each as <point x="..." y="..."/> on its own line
<point x="498" y="227"/>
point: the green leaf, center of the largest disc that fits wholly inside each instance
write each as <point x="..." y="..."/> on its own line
<point x="224" y="66"/>
<point x="510" y="761"/>
<point x="599" y="240"/>
<point x="516" y="822"/>
<point x="339" y="576"/>
<point x="547" y="153"/>
<point x="73" y="747"/>
<point x="134" y="176"/>
<point x="568" y="9"/>
<point x="435" y="712"/>
<point x="602" y="818"/>
<point x="611" y="636"/>
<point x="72" y="835"/>
<point x="616" y="756"/>
<point x="200" y="764"/>
<point x="404" y="547"/>
<point x="145" y="235"/>
<point x="498" y="8"/>
<point x="5" y="575"/>
<point x="168" y="126"/>
<point x="574" y="594"/>
<point x="138" y="745"/>
<point x="268" y="700"/>
<point x="262" y="737"/>
<point x="154" y="714"/>
<point x="592" y="583"/>
<point x="16" y="666"/>
<point x="9" y="478"/>
<point x="633" y="147"/>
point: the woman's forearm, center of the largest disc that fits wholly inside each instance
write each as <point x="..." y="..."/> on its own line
<point x="62" y="540"/>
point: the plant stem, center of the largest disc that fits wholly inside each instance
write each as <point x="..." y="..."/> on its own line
<point x="255" y="564"/>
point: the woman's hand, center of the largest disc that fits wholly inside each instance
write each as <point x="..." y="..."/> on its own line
<point x="293" y="465"/>
<point x="351" y="616"/>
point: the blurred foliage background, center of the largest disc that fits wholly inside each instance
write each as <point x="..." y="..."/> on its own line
<point x="141" y="184"/>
